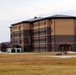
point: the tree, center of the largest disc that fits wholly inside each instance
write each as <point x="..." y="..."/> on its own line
<point x="3" y="47"/>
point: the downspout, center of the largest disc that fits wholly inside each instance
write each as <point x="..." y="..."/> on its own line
<point x="54" y="34"/>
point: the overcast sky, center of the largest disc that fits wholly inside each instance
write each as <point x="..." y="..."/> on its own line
<point x="12" y="11"/>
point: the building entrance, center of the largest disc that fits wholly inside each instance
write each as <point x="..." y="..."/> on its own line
<point x="65" y="47"/>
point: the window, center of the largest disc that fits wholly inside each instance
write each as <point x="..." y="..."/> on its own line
<point x="43" y="40"/>
<point x="42" y="33"/>
<point x="75" y="30"/>
<point x="45" y="22"/>
<point x="11" y="29"/>
<point x="35" y="24"/>
<point x="42" y="29"/>
<point x="36" y="40"/>
<point x="19" y="27"/>
<point x="51" y="30"/>
<point x="15" y="34"/>
<point x="11" y="42"/>
<point x="51" y="47"/>
<point x="38" y="23"/>
<point x="36" y="32"/>
<point x="15" y="27"/>
<point x="43" y="37"/>
<point x="52" y="39"/>
<point x="19" y="34"/>
<point x="19" y="41"/>
<point x="15" y="41"/>
<point x="22" y="41"/>
<point x="42" y="47"/>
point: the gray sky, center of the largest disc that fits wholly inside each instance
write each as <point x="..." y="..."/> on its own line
<point x="12" y="11"/>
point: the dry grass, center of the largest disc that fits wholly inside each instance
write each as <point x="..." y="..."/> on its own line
<point x="36" y="64"/>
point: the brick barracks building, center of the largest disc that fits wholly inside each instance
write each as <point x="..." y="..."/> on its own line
<point x="53" y="33"/>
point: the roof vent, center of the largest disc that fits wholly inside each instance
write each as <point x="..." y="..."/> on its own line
<point x="35" y="17"/>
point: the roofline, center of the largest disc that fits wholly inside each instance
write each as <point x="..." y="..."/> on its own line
<point x="20" y="23"/>
<point x="27" y="22"/>
<point x="10" y="27"/>
<point x="51" y="17"/>
<point x="39" y="20"/>
<point x="60" y="17"/>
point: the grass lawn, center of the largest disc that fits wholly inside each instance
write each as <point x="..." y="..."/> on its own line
<point x="36" y="64"/>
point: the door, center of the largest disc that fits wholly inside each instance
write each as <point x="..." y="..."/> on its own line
<point x="65" y="47"/>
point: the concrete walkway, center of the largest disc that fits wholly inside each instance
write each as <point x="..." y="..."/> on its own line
<point x="63" y="56"/>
